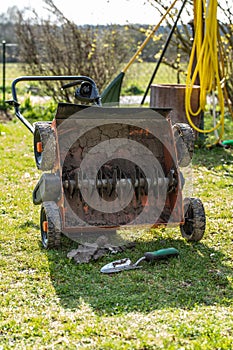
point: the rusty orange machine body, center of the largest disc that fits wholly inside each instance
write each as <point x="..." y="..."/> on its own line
<point x="106" y="168"/>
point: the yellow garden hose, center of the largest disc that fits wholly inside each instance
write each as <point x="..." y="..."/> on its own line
<point x="205" y="51"/>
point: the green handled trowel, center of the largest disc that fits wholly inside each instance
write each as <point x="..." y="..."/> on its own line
<point x="126" y="264"/>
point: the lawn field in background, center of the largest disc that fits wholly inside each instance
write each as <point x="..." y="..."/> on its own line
<point x="138" y="75"/>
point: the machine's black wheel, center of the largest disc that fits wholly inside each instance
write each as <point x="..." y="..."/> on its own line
<point x="193" y="228"/>
<point x="44" y="146"/>
<point x="50" y="225"/>
<point x="184" y="139"/>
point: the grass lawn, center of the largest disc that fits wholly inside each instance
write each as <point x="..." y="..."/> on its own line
<point x="49" y="302"/>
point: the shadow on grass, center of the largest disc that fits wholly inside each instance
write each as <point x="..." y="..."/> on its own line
<point x="198" y="276"/>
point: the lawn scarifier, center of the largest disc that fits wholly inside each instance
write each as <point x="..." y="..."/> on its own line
<point x="84" y="191"/>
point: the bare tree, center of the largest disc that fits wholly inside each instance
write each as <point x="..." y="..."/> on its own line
<point x="59" y="47"/>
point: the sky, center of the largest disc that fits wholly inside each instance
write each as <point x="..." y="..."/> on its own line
<point x="101" y="11"/>
<point x="95" y="11"/>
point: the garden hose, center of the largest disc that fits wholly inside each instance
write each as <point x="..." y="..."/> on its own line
<point x="205" y="51"/>
<point x="228" y="143"/>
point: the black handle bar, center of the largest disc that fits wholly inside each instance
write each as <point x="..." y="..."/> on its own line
<point x="16" y="104"/>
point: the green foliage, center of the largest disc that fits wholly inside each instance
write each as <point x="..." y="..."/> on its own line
<point x="133" y="90"/>
<point x="211" y="138"/>
<point x="37" y="112"/>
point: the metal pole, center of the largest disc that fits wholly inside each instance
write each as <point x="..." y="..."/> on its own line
<point x="163" y="53"/>
<point x="3" y="72"/>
